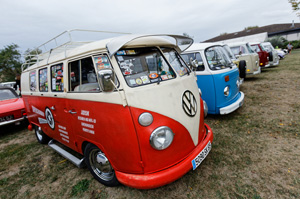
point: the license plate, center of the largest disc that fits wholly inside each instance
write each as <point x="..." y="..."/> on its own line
<point x="201" y="156"/>
<point x="6" y="118"/>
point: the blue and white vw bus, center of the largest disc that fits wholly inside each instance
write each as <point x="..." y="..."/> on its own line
<point x="217" y="77"/>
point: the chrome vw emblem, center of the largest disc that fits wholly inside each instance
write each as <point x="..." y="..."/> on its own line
<point x="189" y="103"/>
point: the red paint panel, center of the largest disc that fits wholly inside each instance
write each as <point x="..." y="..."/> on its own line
<point x="12" y="107"/>
<point x="114" y="132"/>
<point x="154" y="180"/>
<point x="156" y="160"/>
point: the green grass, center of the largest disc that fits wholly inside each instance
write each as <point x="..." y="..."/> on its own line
<point x="81" y="187"/>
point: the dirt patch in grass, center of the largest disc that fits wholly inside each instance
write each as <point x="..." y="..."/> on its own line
<point x="255" y="153"/>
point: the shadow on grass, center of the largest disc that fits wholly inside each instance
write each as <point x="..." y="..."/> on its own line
<point x="12" y="129"/>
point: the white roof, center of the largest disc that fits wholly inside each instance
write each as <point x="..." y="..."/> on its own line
<point x="201" y="46"/>
<point x="112" y="45"/>
<point x="236" y="44"/>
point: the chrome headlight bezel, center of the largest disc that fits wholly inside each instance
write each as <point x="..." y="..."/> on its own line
<point x="226" y="91"/>
<point x="163" y="133"/>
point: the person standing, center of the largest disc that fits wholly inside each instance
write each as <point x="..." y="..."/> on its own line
<point x="289" y="47"/>
<point x="18" y="85"/>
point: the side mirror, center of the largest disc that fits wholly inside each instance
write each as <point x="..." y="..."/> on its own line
<point x="106" y="77"/>
<point x="194" y="62"/>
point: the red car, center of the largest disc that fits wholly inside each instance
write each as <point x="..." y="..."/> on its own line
<point x="12" y="109"/>
<point x="262" y="53"/>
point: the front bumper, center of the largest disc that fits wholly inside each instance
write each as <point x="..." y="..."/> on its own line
<point x="255" y="72"/>
<point x="232" y="107"/>
<point x="275" y="64"/>
<point x="12" y="121"/>
<point x="157" y="179"/>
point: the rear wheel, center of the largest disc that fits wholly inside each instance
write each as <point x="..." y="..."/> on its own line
<point x="270" y="56"/>
<point x="242" y="68"/>
<point x="41" y="136"/>
<point x="99" y="166"/>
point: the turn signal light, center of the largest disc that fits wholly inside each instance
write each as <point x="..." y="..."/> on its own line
<point x="226" y="78"/>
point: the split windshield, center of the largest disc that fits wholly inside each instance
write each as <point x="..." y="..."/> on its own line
<point x="249" y="48"/>
<point x="142" y="66"/>
<point x="267" y="47"/>
<point x="217" y="58"/>
<point x="229" y="52"/>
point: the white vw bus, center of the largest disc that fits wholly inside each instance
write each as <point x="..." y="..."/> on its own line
<point x="128" y="105"/>
<point x="243" y="51"/>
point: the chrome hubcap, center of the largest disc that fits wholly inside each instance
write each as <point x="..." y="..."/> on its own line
<point x="101" y="165"/>
<point x="39" y="133"/>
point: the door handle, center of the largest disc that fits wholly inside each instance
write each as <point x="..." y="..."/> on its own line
<point x="72" y="112"/>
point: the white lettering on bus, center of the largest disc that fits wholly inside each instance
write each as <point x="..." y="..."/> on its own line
<point x="63" y="135"/>
<point x="65" y="140"/>
<point x="62" y="127"/>
<point x="87" y="125"/>
<point x="65" y="132"/>
<point x="85" y="113"/>
<point x="85" y="119"/>
<point x="88" y="131"/>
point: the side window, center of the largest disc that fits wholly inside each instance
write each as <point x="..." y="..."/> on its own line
<point x="243" y="50"/>
<point x="235" y="50"/>
<point x="32" y="80"/>
<point x="194" y="61"/>
<point x="57" y="78"/>
<point x="255" y="48"/>
<point x="102" y="62"/>
<point x="43" y="80"/>
<point x="83" y="76"/>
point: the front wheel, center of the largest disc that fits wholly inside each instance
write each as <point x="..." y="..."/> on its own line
<point x="41" y="136"/>
<point x="242" y="69"/>
<point x="99" y="166"/>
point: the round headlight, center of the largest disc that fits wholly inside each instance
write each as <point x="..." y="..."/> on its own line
<point x="226" y="91"/>
<point x="145" y="119"/>
<point x="161" y="138"/>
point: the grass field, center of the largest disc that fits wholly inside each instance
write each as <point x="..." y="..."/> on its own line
<point x="255" y="153"/>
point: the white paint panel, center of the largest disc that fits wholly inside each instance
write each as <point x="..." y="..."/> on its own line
<point x="166" y="99"/>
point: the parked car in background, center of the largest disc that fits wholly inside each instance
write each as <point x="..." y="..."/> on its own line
<point x="281" y="53"/>
<point x="11" y="85"/>
<point x="8" y="84"/>
<point x="12" y="108"/>
<point x="243" y="51"/>
<point x="262" y="53"/>
<point x="217" y="77"/>
<point x="273" y="54"/>
<point x="241" y="64"/>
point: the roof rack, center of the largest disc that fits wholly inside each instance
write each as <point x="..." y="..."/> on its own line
<point x="61" y="43"/>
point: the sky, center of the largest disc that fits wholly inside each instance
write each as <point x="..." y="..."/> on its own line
<point x="29" y="23"/>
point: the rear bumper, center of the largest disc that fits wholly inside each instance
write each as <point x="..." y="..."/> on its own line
<point x="12" y="121"/>
<point x="232" y="107"/>
<point x="157" y="179"/>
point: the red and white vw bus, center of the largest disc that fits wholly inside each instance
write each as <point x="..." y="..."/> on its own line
<point x="128" y="105"/>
